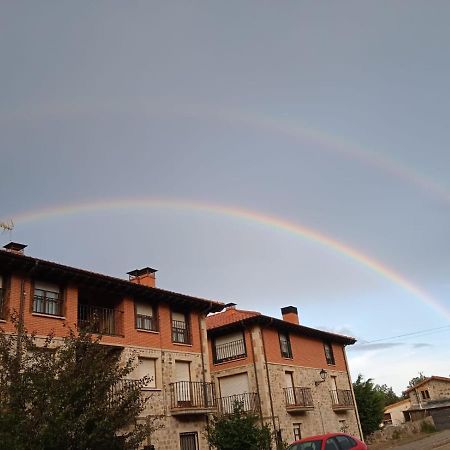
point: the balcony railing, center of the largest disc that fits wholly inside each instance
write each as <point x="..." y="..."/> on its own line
<point x="119" y="389"/>
<point x="47" y="305"/>
<point x="180" y="332"/>
<point x="298" y="398"/>
<point x="144" y="322"/>
<point x="248" y="400"/>
<point x="100" y="320"/>
<point x="188" y="397"/>
<point x="2" y="304"/>
<point x="341" y="399"/>
<point x="229" y="351"/>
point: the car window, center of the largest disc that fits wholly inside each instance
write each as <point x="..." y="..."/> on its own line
<point x="331" y="445"/>
<point x="310" y="445"/>
<point x="345" y="443"/>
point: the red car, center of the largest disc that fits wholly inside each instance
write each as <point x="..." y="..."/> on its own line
<point x="330" y="441"/>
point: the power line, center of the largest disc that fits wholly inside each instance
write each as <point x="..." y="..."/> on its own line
<point x="412" y="334"/>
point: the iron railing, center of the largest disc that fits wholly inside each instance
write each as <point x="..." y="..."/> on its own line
<point x="47" y="305"/>
<point x="248" y="400"/>
<point x="144" y="322"/>
<point x="341" y="398"/>
<point x="298" y="396"/>
<point x="180" y="332"/>
<point x="100" y="320"/>
<point x="192" y="394"/>
<point x="2" y="304"/>
<point x="229" y="351"/>
<point x="120" y="390"/>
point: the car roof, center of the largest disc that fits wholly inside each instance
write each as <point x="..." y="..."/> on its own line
<point x="321" y="436"/>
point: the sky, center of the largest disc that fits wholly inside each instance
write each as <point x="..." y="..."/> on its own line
<point x="262" y="153"/>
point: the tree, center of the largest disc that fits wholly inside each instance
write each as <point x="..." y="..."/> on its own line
<point x="416" y="380"/>
<point x="239" y="430"/>
<point x="68" y="394"/>
<point x="370" y="402"/>
<point x="389" y="396"/>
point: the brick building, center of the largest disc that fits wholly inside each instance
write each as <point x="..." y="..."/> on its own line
<point x="166" y="329"/>
<point x="295" y="377"/>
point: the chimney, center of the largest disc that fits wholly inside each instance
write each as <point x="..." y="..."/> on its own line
<point x="15" y="247"/>
<point x="145" y="276"/>
<point x="290" y="314"/>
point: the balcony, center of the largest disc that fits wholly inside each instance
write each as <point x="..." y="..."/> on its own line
<point x="229" y="351"/>
<point x="248" y="400"/>
<point x="341" y="399"/>
<point x="298" y="399"/>
<point x="97" y="319"/>
<point x="192" y="397"/>
<point x="2" y="305"/>
<point x="122" y="387"/>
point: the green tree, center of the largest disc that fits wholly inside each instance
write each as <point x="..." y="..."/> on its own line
<point x="239" y="430"/>
<point x="389" y="396"/>
<point x="67" y="394"/>
<point x="370" y="402"/>
<point x="416" y="380"/>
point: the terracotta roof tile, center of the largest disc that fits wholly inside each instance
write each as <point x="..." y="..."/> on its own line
<point x="229" y="316"/>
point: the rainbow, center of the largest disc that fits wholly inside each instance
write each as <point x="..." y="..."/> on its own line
<point x="243" y="214"/>
<point x="284" y="126"/>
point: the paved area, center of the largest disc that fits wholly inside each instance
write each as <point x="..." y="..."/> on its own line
<point x="434" y="441"/>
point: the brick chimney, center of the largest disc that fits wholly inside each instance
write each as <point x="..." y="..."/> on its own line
<point x="144" y="276"/>
<point x="290" y="314"/>
<point x="15" y="247"/>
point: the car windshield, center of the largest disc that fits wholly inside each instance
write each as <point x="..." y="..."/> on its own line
<point x="309" y="445"/>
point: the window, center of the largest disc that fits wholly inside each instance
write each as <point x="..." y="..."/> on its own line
<point x="309" y="445"/>
<point x="47" y="299"/>
<point x="425" y="394"/>
<point x="188" y="441"/>
<point x="285" y="346"/>
<point x="297" y="427"/>
<point x="343" y="427"/>
<point x="180" y="328"/>
<point x="146" y="367"/>
<point x="331" y="444"/>
<point x="229" y="347"/>
<point x="328" y="348"/>
<point x="145" y="319"/>
<point x="345" y="442"/>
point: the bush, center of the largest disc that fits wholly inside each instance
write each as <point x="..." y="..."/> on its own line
<point x="427" y="427"/>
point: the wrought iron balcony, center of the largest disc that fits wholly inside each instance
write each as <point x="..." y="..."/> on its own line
<point x="248" y="400"/>
<point x="144" y="322"/>
<point x="229" y="351"/>
<point x="100" y="320"/>
<point x="2" y="304"/>
<point x="116" y="395"/>
<point x="298" y="399"/>
<point x="341" y="399"/>
<point x="192" y="397"/>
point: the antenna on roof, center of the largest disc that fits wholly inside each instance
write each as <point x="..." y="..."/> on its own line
<point x="7" y="226"/>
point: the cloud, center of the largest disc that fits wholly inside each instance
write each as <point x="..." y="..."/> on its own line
<point x="363" y="347"/>
<point x="421" y="345"/>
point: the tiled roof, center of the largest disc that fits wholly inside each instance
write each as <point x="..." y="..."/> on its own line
<point x="231" y="315"/>
<point x="426" y="380"/>
<point x="227" y="318"/>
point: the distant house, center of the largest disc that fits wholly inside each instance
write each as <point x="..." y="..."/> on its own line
<point x="431" y="397"/>
<point x="396" y="414"/>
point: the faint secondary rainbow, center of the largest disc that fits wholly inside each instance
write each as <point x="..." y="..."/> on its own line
<point x="284" y="126"/>
<point x="244" y="214"/>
